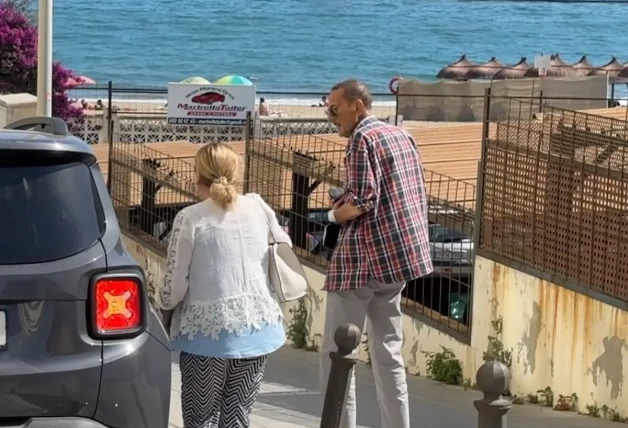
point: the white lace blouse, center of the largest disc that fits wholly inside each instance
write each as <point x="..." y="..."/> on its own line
<point x="217" y="269"/>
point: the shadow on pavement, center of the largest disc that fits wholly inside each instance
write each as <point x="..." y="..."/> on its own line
<point x="291" y="380"/>
<point x="290" y="394"/>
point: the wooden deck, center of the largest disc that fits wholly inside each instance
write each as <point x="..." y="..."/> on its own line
<point x="174" y="149"/>
<point x="453" y="151"/>
<point x="620" y="113"/>
<point x="450" y="156"/>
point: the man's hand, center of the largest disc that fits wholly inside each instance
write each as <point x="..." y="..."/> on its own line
<point x="336" y="204"/>
<point x="346" y="211"/>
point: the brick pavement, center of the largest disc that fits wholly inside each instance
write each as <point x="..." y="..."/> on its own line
<point x="289" y="398"/>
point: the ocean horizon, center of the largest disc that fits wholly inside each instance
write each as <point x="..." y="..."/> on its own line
<point x="307" y="45"/>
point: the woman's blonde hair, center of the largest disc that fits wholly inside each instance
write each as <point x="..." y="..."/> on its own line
<point x="217" y="167"/>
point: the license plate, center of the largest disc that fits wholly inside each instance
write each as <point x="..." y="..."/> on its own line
<point x="3" y="330"/>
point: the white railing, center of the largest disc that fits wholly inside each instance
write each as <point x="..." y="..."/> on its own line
<point x="140" y="128"/>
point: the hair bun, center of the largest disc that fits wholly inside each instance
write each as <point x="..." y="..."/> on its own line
<point x="221" y="180"/>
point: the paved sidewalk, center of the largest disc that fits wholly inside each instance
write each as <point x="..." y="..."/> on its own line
<point x="289" y="398"/>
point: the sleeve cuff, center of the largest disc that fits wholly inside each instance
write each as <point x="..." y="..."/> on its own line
<point x="359" y="203"/>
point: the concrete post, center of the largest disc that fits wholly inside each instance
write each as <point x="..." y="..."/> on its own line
<point x="493" y="379"/>
<point x="44" y="58"/>
<point x="257" y="127"/>
<point x="347" y="339"/>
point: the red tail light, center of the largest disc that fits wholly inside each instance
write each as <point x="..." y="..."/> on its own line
<point x="117" y="306"/>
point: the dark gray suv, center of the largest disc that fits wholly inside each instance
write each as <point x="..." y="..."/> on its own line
<point x="80" y="346"/>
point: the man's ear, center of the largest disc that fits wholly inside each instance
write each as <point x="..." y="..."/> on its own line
<point x="360" y="107"/>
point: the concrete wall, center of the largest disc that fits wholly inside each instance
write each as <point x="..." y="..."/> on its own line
<point x="15" y="107"/>
<point x="558" y="338"/>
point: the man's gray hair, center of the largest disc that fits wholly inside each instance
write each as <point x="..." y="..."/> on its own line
<point x="354" y="90"/>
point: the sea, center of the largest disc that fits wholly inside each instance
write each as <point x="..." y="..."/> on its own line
<point x="303" y="47"/>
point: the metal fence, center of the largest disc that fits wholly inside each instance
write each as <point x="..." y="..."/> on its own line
<point x="554" y="198"/>
<point x="444" y="298"/>
<point x="151" y="183"/>
<point x="138" y="116"/>
<point x="282" y="104"/>
<point x="149" y="187"/>
<point x="294" y="174"/>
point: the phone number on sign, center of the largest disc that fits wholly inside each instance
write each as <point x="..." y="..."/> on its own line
<point x="202" y="121"/>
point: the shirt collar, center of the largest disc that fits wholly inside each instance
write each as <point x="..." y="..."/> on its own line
<point x="364" y="122"/>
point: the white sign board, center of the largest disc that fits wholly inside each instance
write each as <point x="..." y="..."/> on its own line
<point x="192" y="104"/>
<point x="542" y="63"/>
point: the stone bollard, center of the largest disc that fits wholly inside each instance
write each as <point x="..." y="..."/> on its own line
<point x="493" y="379"/>
<point x="347" y="339"/>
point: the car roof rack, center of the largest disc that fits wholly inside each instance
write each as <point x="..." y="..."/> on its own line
<point x="48" y="125"/>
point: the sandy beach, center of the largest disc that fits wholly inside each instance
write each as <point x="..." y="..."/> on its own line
<point x="279" y="111"/>
<point x="284" y="111"/>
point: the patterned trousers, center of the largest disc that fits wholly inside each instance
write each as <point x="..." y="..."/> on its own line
<point x="219" y="392"/>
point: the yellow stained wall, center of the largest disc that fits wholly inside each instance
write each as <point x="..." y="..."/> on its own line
<point x="559" y="338"/>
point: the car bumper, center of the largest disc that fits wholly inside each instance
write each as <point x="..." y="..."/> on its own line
<point x="135" y="383"/>
<point x="58" y="423"/>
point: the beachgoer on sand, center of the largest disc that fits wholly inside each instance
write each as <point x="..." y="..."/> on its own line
<point x="323" y="103"/>
<point x="263" y="108"/>
<point x="99" y="105"/>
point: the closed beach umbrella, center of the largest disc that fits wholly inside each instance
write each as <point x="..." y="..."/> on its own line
<point x="623" y="74"/>
<point x="558" y="62"/>
<point x="196" y="80"/>
<point x="233" y="80"/>
<point x="486" y="70"/>
<point x="516" y="71"/>
<point x="558" y="68"/>
<point x="611" y="69"/>
<point x="583" y="66"/>
<point x="457" y="70"/>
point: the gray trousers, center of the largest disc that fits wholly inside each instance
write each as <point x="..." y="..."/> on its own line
<point x="381" y="304"/>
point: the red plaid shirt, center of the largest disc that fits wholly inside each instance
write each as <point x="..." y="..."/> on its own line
<point x="390" y="241"/>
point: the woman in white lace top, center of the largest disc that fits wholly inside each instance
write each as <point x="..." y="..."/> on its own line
<point x="226" y="320"/>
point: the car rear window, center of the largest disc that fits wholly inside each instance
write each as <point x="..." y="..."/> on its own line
<point x="48" y="210"/>
<point x="439" y="233"/>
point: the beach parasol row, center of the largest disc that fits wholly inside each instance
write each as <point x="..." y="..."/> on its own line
<point x="464" y="69"/>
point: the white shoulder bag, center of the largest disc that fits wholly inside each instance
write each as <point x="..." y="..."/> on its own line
<point x="285" y="271"/>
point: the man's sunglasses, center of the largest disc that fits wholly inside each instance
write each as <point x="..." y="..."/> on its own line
<point x="331" y="112"/>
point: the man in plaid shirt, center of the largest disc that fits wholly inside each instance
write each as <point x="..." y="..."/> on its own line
<point x="383" y="243"/>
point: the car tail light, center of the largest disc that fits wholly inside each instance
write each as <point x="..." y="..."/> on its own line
<point x="117" y="306"/>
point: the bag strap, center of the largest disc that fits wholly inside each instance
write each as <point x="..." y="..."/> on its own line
<point x="270" y="229"/>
